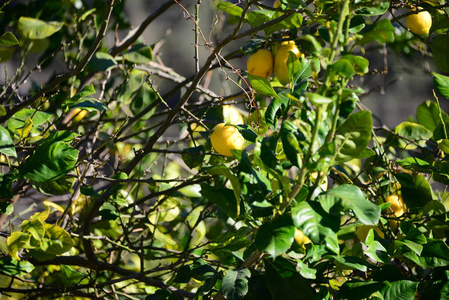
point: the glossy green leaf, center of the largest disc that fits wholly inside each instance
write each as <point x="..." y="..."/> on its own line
<point x="276" y="237"/>
<point x="351" y="197"/>
<point x="262" y="85"/>
<point x="58" y="241"/>
<point x="18" y="119"/>
<point x="50" y="162"/>
<point x="6" y="181"/>
<point x="359" y="290"/>
<point x="35" y="29"/>
<point x="439" y="47"/>
<point x="430" y="115"/>
<point x="353" y="136"/>
<point x="6" y="207"/>
<point x="35" y="227"/>
<point x="8" y="39"/>
<point x="235" y="284"/>
<point x="290" y="136"/>
<point x="382" y="32"/>
<point x="224" y="170"/>
<point x="318" y="99"/>
<point x="13" y="267"/>
<point x="343" y="67"/>
<point x="133" y="84"/>
<point x="444" y="145"/>
<point x="139" y="54"/>
<point x="413" y="131"/>
<point x="6" y="143"/>
<point x="145" y="97"/>
<point x="258" y="17"/>
<point x="379" y="9"/>
<point x="441" y="84"/>
<point x="291" y="22"/>
<point x="271" y="112"/>
<point x="416" y="190"/>
<point x="402" y="289"/>
<point x="359" y="63"/>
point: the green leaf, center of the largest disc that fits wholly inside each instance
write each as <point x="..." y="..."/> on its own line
<point x="2" y="110"/>
<point x="35" y="227"/>
<point x="439" y="47"/>
<point x="230" y="8"/>
<point x="318" y="99"/>
<point x="6" y="181"/>
<point x="290" y="136"/>
<point x="71" y="277"/>
<point x="359" y="290"/>
<point x="428" y="115"/>
<point x="224" y="198"/>
<point x="223" y="170"/>
<point x="352" y="198"/>
<point x="314" y="221"/>
<point x="8" y="39"/>
<point x="344" y="68"/>
<point x="383" y="32"/>
<point x="133" y="84"/>
<point x="101" y="62"/>
<point x="194" y="156"/>
<point x="6" y="208"/>
<point x="353" y="136"/>
<point x="402" y="289"/>
<point x="416" y="190"/>
<point x="144" y="98"/>
<point x="51" y="161"/>
<point x="16" y="241"/>
<point x="199" y="270"/>
<point x="441" y="84"/>
<point x="360" y="64"/>
<point x="58" y="241"/>
<point x="413" y="131"/>
<point x="139" y="54"/>
<point x="18" y="120"/>
<point x="35" y="29"/>
<point x="262" y="85"/>
<point x="6" y="143"/>
<point x="373" y="11"/>
<point x="276" y="237"/>
<point x="13" y="267"/>
<point x="270" y="114"/>
<point x="61" y="186"/>
<point x="291" y="22"/>
<point x="235" y="284"/>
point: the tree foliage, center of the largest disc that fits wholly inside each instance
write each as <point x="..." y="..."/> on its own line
<point x="110" y="187"/>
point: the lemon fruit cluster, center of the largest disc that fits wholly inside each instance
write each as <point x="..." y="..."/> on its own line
<point x="225" y="137"/>
<point x="419" y="23"/>
<point x="260" y="63"/>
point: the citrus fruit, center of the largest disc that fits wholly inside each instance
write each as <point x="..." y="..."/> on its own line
<point x="362" y="232"/>
<point x="397" y="208"/>
<point x="78" y="114"/>
<point x="260" y="63"/>
<point x="226" y="137"/>
<point x="277" y="3"/>
<point x="232" y="116"/>
<point x="280" y="61"/>
<point x="300" y="238"/>
<point x="419" y="23"/>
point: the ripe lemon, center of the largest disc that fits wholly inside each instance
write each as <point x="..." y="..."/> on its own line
<point x="280" y="61"/>
<point x="226" y="137"/>
<point x="260" y="63"/>
<point x="232" y="116"/>
<point x="362" y="232"/>
<point x="300" y="238"/>
<point x="397" y="208"/>
<point x="419" y="23"/>
<point x="76" y="115"/>
<point x="277" y="3"/>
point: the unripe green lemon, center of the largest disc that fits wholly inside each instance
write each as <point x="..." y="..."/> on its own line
<point x="419" y="23"/>
<point x="280" y="61"/>
<point x="362" y="232"/>
<point x="226" y="137"/>
<point x="260" y="63"/>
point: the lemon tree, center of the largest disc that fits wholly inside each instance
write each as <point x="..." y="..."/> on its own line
<point x="234" y="157"/>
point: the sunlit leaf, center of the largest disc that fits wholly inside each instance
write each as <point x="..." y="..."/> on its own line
<point x="235" y="284"/>
<point x="14" y="267"/>
<point x="276" y="237"/>
<point x="6" y="143"/>
<point x="441" y="83"/>
<point x="35" y="29"/>
<point x="8" y="39"/>
<point x="382" y="32"/>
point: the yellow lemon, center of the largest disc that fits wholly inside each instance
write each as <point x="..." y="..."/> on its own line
<point x="362" y="232"/>
<point x="280" y="61"/>
<point x="232" y="116"/>
<point x="260" y="63"/>
<point x="419" y="23"/>
<point x="226" y="137"/>
<point x="397" y="208"/>
<point x="277" y="3"/>
<point x="300" y="238"/>
<point x="77" y="114"/>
